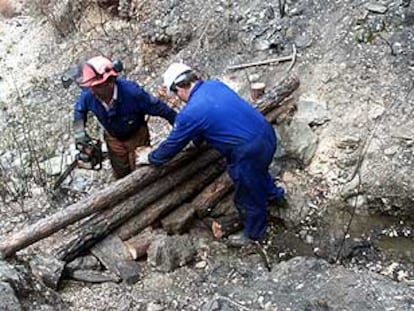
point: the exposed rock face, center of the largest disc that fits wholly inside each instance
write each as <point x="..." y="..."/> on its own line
<point x="313" y="284"/>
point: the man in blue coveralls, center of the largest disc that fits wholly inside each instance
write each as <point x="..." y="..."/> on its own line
<point x="121" y="107"/>
<point x="216" y="114"/>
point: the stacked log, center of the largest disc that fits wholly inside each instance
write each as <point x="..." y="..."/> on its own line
<point x="194" y="184"/>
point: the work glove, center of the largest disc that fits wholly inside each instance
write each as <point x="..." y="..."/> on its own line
<point x="81" y="140"/>
<point x="142" y="155"/>
<point x="81" y="137"/>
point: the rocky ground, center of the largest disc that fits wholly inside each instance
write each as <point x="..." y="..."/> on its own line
<point x="346" y="160"/>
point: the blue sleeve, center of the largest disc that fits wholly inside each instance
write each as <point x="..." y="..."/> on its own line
<point x="185" y="129"/>
<point x="81" y="108"/>
<point x="154" y="106"/>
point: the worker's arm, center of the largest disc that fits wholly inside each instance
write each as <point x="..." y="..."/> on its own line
<point x="153" y="105"/>
<point x="80" y="119"/>
<point x="185" y="129"/>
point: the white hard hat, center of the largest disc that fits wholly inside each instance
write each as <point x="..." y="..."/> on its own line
<point x="172" y="75"/>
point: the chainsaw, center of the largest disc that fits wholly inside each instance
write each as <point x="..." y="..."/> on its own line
<point x="90" y="157"/>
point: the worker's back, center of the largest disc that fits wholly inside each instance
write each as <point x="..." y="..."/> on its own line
<point x="224" y="119"/>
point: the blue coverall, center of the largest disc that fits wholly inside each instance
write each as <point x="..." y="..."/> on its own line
<point x="127" y="114"/>
<point x="218" y="115"/>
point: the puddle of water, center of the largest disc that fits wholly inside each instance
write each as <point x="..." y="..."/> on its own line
<point x="398" y="246"/>
<point x="364" y="225"/>
<point x="361" y="225"/>
<point x="371" y="226"/>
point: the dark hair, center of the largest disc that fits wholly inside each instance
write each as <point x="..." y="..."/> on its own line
<point x="186" y="83"/>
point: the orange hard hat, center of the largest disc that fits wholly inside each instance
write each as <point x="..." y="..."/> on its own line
<point x="96" y="71"/>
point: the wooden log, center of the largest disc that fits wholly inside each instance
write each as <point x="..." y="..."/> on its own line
<point x="178" y="196"/>
<point x="139" y="244"/>
<point x="280" y="114"/>
<point x="115" y="256"/>
<point x="257" y="90"/>
<point x="211" y="195"/>
<point x="275" y="96"/>
<point x="88" y="232"/>
<point x="179" y="220"/>
<point x="111" y="195"/>
<point x="223" y="207"/>
<point x="225" y="225"/>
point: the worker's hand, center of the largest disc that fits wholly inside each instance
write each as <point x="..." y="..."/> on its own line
<point x="161" y="92"/>
<point x="142" y="154"/>
<point x="82" y="139"/>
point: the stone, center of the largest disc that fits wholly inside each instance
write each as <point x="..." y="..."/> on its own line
<point x="254" y="77"/>
<point x="167" y="253"/>
<point x="54" y="166"/>
<point x="47" y="269"/>
<point x="212" y="305"/>
<point x="8" y="300"/>
<point x="298" y="140"/>
<point x="152" y="306"/>
<point x="88" y="262"/>
<point x="376" y="8"/>
<point x="312" y="112"/>
<point x="351" y="188"/>
<point x="359" y="202"/>
<point x="201" y="264"/>
<point x="10" y="275"/>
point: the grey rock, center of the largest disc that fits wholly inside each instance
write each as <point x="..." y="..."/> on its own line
<point x="348" y="142"/>
<point x="312" y="112"/>
<point x="303" y="41"/>
<point x="8" y="300"/>
<point x="298" y="140"/>
<point x="167" y="253"/>
<point x="298" y="207"/>
<point x="47" y="269"/>
<point x="311" y="280"/>
<point x="254" y="77"/>
<point x="88" y="262"/>
<point x="55" y="165"/>
<point x="376" y="8"/>
<point x="152" y="306"/>
<point x="9" y="274"/>
<point x="359" y="203"/>
<point x="262" y="45"/>
<point x="351" y="188"/>
<point x="212" y="305"/>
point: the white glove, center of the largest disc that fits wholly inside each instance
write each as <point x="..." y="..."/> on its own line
<point x="142" y="154"/>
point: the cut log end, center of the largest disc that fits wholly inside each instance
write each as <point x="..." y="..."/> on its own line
<point x="225" y="225"/>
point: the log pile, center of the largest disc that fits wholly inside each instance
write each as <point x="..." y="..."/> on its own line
<point x="111" y="224"/>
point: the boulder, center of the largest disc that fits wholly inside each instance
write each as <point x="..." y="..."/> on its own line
<point x="298" y="140"/>
<point x="167" y="253"/>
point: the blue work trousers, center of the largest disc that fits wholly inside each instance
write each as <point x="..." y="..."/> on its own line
<point x="249" y="170"/>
